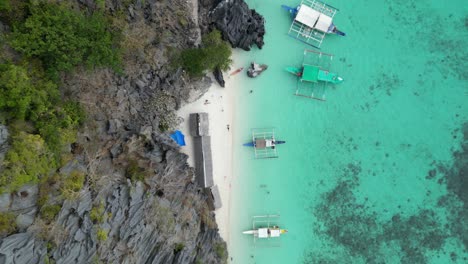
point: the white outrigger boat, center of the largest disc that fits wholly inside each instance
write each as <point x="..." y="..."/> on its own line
<point x="265" y="227"/>
<point x="312" y="20"/>
<point x="266" y="232"/>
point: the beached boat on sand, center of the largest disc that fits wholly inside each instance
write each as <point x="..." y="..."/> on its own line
<point x="312" y="20"/>
<point x="236" y="71"/>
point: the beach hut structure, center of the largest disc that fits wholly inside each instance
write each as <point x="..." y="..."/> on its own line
<point x="214" y="198"/>
<point x="312" y="21"/>
<point x="199" y="129"/>
<point x="199" y="125"/>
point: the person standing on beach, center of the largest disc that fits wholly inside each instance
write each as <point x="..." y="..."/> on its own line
<point x="227" y="127"/>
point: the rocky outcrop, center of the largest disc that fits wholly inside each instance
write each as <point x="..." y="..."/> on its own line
<point x="139" y="203"/>
<point x="241" y="26"/>
<point x="3" y="143"/>
<point x="218" y="74"/>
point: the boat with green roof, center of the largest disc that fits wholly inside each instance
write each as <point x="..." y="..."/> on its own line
<point x="314" y="74"/>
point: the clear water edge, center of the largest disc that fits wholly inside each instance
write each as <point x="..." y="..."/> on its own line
<point x="414" y="103"/>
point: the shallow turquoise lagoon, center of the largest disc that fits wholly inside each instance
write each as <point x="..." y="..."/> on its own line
<point x="377" y="173"/>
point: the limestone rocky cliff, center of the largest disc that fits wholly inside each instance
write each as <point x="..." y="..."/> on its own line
<point x="241" y="26"/>
<point x="160" y="216"/>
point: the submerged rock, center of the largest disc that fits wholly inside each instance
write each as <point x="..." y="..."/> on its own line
<point x="241" y="26"/>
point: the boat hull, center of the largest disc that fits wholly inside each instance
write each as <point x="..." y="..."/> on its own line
<point x="323" y="76"/>
<point x="330" y="77"/>
<point x="252" y="144"/>
<point x="292" y="10"/>
<point x="294" y="71"/>
<point x="236" y="71"/>
<point x="250" y="232"/>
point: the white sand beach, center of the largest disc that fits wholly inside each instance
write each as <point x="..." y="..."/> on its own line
<point x="218" y="102"/>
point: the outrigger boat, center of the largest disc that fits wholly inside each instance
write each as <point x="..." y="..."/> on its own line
<point x="312" y="20"/>
<point x="314" y="75"/>
<point x="266" y="232"/>
<point x="266" y="227"/>
<point x="264" y="143"/>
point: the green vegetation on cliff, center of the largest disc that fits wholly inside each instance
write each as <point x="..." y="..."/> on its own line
<point x="63" y="38"/>
<point x="7" y="223"/>
<point x="24" y="93"/>
<point x="28" y="160"/>
<point x="214" y="53"/>
<point x="50" y="38"/>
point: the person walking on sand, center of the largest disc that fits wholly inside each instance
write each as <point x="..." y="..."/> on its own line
<point x="227" y="127"/>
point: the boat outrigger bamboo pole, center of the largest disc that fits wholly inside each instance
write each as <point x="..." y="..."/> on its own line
<point x="311" y="97"/>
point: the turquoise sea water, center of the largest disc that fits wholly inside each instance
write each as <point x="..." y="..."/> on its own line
<point x="377" y="173"/>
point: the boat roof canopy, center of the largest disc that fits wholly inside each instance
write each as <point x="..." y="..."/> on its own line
<point x="313" y="18"/>
<point x="312" y="22"/>
<point x="310" y="73"/>
<point x="263" y="232"/>
<point x="307" y="16"/>
<point x="275" y="232"/>
<point x="324" y="22"/>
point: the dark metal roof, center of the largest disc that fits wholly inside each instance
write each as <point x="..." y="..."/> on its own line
<point x="199" y="124"/>
<point x="203" y="161"/>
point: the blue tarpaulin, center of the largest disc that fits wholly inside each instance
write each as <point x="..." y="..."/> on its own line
<point x="178" y="137"/>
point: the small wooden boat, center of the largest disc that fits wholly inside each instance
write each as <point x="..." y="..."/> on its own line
<point x="236" y="71"/>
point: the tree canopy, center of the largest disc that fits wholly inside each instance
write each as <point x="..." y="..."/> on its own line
<point x="63" y="38"/>
<point x="214" y="53"/>
<point x="22" y="94"/>
<point x="27" y="161"/>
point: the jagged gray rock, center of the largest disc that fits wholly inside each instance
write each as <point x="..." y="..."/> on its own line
<point x="23" y="221"/>
<point x="113" y="126"/>
<point x="146" y="217"/>
<point x="218" y="74"/>
<point x="22" y="248"/>
<point x="25" y="198"/>
<point x="3" y="143"/>
<point x="5" y="201"/>
<point x="241" y="26"/>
